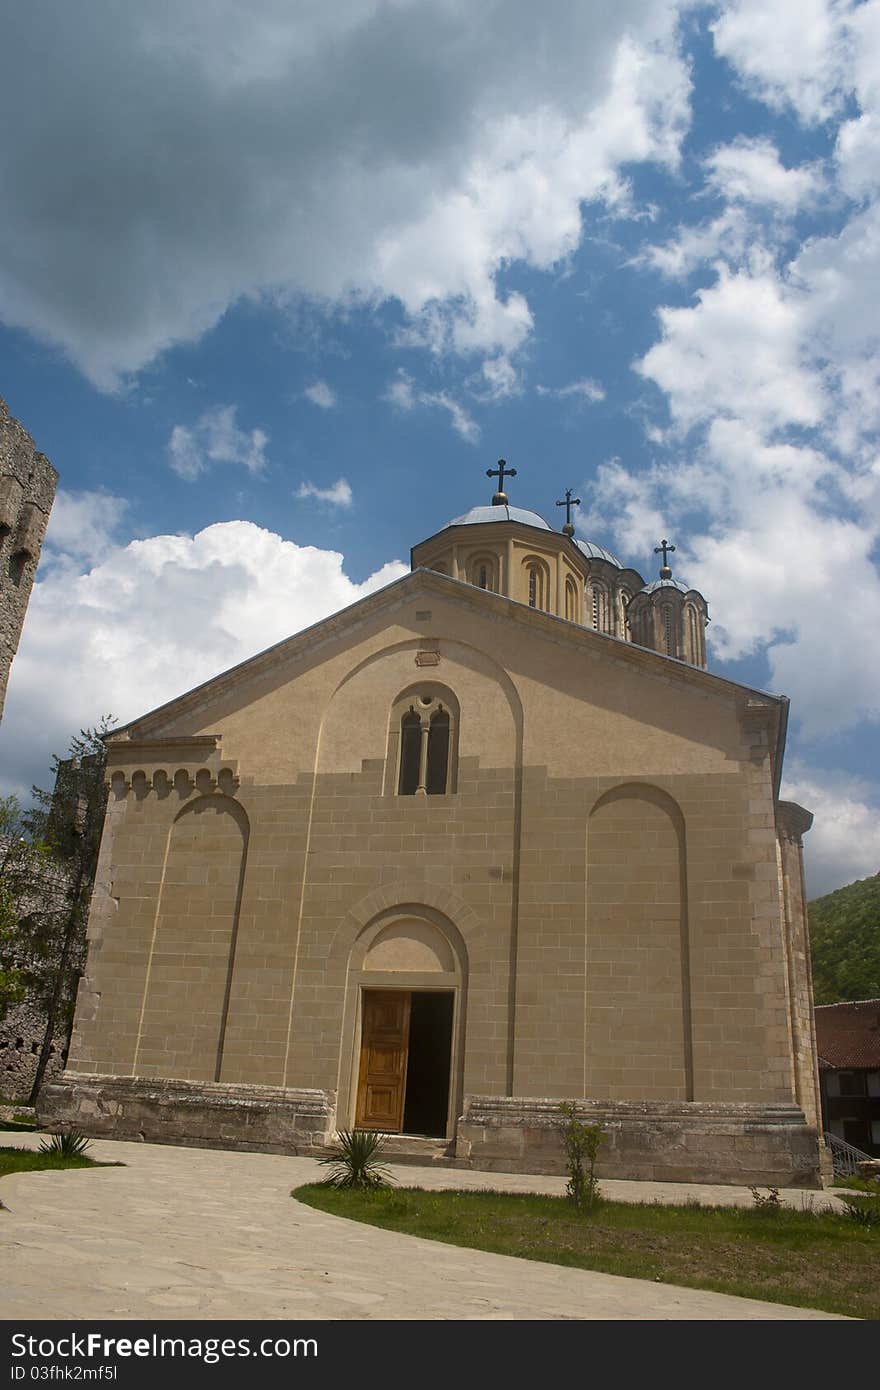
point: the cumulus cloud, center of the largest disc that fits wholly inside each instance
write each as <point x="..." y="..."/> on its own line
<point x="215" y="438"/>
<point x="404" y="395"/>
<point x="82" y="525"/>
<point x="320" y="394"/>
<point x="844" y="842"/>
<point x="339" y="493"/>
<point x="738" y="351"/>
<point x="182" y="158"/>
<point x="151" y="620"/>
<point x="790" y="53"/>
<point x="750" y="171"/>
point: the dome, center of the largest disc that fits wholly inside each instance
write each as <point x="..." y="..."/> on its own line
<point x="595" y="552"/>
<point x="665" y="584"/>
<point x="478" y="515"/>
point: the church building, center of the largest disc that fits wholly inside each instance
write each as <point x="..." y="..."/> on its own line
<point x="488" y="840"/>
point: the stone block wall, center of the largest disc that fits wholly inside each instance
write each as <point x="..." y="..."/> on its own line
<point x="27" y="490"/>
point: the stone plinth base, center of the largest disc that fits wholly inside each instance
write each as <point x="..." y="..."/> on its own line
<point x="199" y="1113"/>
<point x="660" y="1141"/>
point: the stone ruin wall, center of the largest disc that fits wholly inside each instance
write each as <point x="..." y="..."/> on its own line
<point x="21" y="1037"/>
<point x="27" y="490"/>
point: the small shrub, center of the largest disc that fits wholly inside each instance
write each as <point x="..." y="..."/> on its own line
<point x="864" y="1211"/>
<point x="355" y="1161"/>
<point x="767" y="1203"/>
<point x="69" y="1145"/>
<point x="582" y="1144"/>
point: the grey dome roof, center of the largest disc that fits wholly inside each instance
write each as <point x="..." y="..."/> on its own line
<point x="666" y="584"/>
<point x="477" y="515"/>
<point x="595" y="552"/>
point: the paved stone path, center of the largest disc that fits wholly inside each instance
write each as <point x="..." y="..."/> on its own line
<point x="201" y="1233"/>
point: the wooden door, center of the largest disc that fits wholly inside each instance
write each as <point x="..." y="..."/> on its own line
<point x="384" y="1046"/>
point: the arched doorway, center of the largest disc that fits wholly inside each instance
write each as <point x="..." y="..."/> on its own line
<point x="406" y="985"/>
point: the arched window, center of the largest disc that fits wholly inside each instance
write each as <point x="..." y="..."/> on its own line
<point x="695" y="652"/>
<point x="623" y="598"/>
<point x="669" y="631"/>
<point x="538" y="577"/>
<point x="571" y="600"/>
<point x="427" y="749"/>
<point x="599" y="607"/>
<point x="437" y="769"/>
<point x="483" y="571"/>
<point x="410" y="750"/>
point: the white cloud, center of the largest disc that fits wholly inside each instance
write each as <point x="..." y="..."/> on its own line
<point x="404" y="395"/>
<point x="180" y="159"/>
<point x="782" y="573"/>
<point x="844" y="842"/>
<point x="692" y="247"/>
<point x="215" y="438"/>
<point x="739" y="352"/>
<point x="790" y="52"/>
<point x="750" y="171"/>
<point x="339" y="493"/>
<point x="82" y="525"/>
<point x="500" y="378"/>
<point x="151" y="620"/>
<point x="584" y="390"/>
<point x="320" y="394"/>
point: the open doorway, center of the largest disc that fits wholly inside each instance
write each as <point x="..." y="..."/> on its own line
<point x="406" y="1052"/>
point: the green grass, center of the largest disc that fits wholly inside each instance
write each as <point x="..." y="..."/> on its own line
<point x="31" y="1160"/>
<point x="806" y="1258"/>
<point x="17" y="1124"/>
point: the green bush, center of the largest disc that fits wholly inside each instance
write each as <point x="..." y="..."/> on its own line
<point x="355" y="1160"/>
<point x="69" y="1145"/>
<point x="582" y="1144"/>
<point x="865" y="1211"/>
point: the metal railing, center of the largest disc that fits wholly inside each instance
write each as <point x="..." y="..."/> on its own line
<point x="844" y="1157"/>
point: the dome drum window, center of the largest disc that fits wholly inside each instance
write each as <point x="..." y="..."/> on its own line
<point x="482" y="571"/>
<point x="538" y="583"/>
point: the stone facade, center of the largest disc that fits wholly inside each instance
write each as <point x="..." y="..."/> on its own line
<point x="27" y="490"/>
<point x="21" y="1037"/>
<point x="592" y="903"/>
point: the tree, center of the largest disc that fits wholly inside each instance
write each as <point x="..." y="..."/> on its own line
<point x="845" y="942"/>
<point x="68" y="820"/>
<point x="29" y="903"/>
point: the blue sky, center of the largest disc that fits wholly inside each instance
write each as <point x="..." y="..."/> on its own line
<point x="279" y="282"/>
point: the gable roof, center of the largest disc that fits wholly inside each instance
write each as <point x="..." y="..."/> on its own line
<point x="390" y="596"/>
<point x="848" y="1035"/>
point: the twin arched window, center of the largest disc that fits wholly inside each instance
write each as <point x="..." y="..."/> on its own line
<point x="426" y="762"/>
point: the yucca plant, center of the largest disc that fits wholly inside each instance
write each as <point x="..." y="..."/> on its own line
<point x="355" y="1160"/>
<point x="72" y="1144"/>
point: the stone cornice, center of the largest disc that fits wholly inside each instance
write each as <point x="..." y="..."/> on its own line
<point x="792" y="821"/>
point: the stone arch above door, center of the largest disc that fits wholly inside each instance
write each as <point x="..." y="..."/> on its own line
<point x="409" y="952"/>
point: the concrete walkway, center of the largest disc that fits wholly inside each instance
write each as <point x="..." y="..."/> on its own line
<point x="201" y="1233"/>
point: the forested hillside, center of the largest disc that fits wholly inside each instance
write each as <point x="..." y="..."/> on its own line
<point x="845" y="938"/>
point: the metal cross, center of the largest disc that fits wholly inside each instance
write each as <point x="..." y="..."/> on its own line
<point x="664" y="546"/>
<point x="500" y="473"/>
<point x="568" y="504"/>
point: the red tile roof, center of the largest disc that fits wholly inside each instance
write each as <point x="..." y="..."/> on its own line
<point x="848" y="1035"/>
